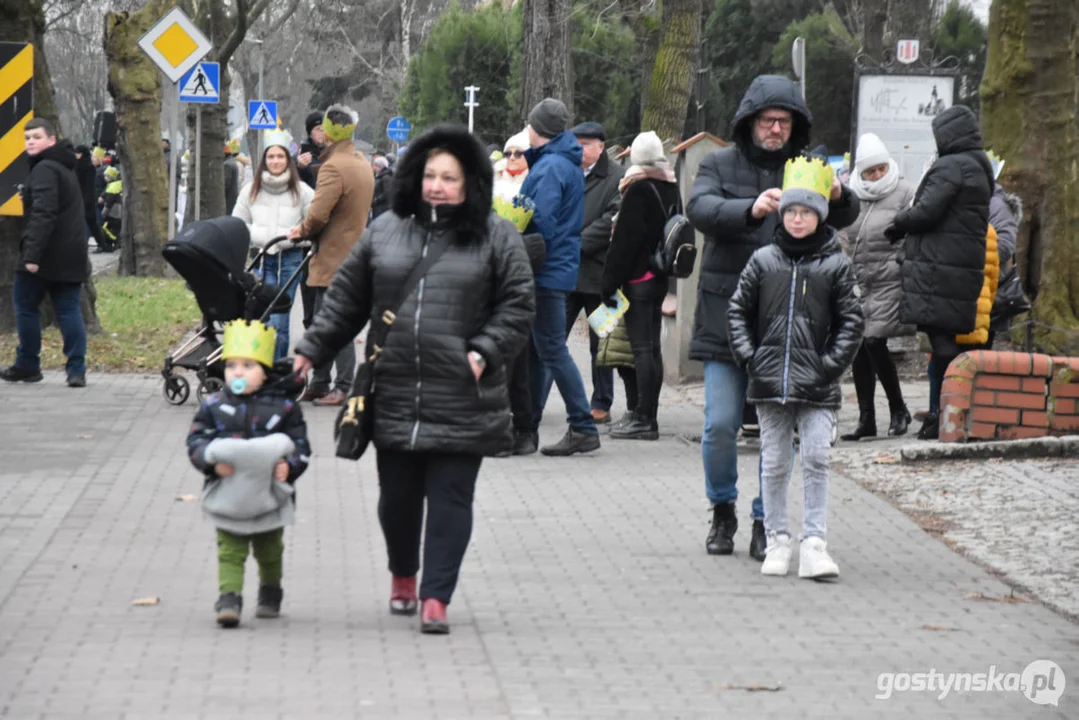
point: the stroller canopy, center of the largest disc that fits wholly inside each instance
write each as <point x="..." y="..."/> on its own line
<point x="211" y="255"/>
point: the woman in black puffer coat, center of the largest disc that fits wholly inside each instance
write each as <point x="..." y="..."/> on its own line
<point x="441" y="403"/>
<point x="943" y="256"/>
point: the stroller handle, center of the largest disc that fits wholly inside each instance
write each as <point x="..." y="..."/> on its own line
<point x="277" y="241"/>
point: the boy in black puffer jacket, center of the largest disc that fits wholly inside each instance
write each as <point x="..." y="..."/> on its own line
<point x="250" y="440"/>
<point x="795" y="323"/>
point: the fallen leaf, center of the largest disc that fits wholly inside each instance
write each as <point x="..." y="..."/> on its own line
<point x="142" y="602"/>
<point x="751" y="688"/>
<point x="885" y="460"/>
<point x="186" y="498"/>
<point x="937" y="628"/>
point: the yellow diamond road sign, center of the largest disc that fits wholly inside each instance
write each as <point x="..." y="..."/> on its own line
<point x="175" y="44"/>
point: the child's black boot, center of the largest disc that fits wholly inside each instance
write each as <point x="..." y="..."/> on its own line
<point x="228" y="607"/>
<point x="269" y="601"/>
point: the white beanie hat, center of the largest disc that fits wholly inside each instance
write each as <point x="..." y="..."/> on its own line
<point x="871" y="151"/>
<point x="647" y="149"/>
<point x="519" y="141"/>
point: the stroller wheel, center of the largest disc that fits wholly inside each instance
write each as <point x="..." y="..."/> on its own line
<point x="176" y="389"/>
<point x="208" y="387"/>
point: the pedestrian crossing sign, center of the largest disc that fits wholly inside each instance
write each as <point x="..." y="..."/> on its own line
<point x="262" y="114"/>
<point x="202" y="84"/>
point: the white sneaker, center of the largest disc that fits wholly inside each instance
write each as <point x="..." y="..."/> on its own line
<point x="814" y="561"/>
<point x="777" y="556"/>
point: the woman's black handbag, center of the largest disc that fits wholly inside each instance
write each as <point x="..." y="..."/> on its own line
<point x="354" y="426"/>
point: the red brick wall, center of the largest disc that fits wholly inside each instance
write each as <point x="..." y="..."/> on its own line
<point x="1006" y="395"/>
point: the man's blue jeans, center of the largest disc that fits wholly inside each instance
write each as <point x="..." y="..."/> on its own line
<point x="30" y="292"/>
<point x="724" y="397"/>
<point x="550" y="358"/>
<point x="276" y="270"/>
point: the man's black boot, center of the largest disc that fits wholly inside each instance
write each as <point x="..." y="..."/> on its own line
<point x="720" y="539"/>
<point x="525" y="443"/>
<point x="15" y="374"/>
<point x="639" y="427"/>
<point x="573" y="442"/>
<point x="759" y="544"/>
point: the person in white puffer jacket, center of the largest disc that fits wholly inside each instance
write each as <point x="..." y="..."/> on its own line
<point x="273" y="202"/>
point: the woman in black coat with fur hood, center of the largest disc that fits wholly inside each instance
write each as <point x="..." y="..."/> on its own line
<point x="441" y="402"/>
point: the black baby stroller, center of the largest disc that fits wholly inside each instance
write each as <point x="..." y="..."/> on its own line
<point x="210" y="255"/>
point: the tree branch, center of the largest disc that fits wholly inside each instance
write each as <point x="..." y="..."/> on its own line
<point x="238" y="32"/>
<point x="279" y="22"/>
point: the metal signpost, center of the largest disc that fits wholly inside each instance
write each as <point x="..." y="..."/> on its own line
<point x="201" y="85"/>
<point x="176" y="46"/>
<point x="470" y="103"/>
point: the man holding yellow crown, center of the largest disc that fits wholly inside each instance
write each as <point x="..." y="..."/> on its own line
<point x="250" y="441"/>
<point x="734" y="204"/>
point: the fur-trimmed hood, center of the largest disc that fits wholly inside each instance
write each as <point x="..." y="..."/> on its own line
<point x="470" y="220"/>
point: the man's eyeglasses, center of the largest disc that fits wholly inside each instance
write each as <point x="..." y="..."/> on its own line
<point x="516" y="154"/>
<point x="765" y="122"/>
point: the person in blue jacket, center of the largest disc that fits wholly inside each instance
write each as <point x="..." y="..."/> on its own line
<point x="555" y="186"/>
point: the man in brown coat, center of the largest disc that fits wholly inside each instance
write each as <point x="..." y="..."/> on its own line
<point x="337" y="217"/>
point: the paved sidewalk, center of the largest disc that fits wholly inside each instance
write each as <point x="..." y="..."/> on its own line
<point x="586" y="592"/>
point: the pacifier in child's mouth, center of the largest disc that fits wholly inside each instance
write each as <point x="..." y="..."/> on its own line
<point x="238" y="385"/>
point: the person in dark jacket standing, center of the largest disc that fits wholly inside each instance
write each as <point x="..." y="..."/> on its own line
<point x="601" y="203"/>
<point x="87" y="175"/>
<point x="943" y="256"/>
<point x="383" y="185"/>
<point x="795" y="325"/>
<point x="440" y="381"/>
<point x="232" y="175"/>
<point x="53" y="256"/>
<point x="555" y="185"/>
<point x="311" y="148"/>
<point x="649" y="194"/>
<point x="733" y="204"/>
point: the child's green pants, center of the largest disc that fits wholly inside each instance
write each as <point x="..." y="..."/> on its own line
<point x="268" y="549"/>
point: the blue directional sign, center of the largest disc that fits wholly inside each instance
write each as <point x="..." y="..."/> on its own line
<point x="262" y="114"/>
<point x="398" y="129"/>
<point x="201" y="84"/>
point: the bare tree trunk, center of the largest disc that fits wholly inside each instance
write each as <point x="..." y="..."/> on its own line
<point x="1029" y="105"/>
<point x="24" y="21"/>
<point x="667" y="97"/>
<point x="135" y="87"/>
<point x="546" y="63"/>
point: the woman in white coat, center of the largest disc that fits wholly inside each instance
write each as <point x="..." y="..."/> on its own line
<point x="274" y="201"/>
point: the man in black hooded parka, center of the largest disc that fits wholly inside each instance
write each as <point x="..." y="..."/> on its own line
<point x="734" y="205"/>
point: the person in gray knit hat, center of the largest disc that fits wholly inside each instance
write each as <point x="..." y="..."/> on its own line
<point x="549" y="118"/>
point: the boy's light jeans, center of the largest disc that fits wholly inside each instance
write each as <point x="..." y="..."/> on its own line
<point x="815" y="437"/>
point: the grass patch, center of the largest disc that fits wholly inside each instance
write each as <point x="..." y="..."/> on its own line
<point x="143" y="319"/>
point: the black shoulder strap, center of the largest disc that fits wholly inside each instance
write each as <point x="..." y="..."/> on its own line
<point x="667" y="213"/>
<point x="386" y="320"/>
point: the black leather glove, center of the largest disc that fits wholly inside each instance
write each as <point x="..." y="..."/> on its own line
<point x="893" y="234"/>
<point x="611" y="299"/>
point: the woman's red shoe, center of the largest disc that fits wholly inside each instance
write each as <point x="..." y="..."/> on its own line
<point x="433" y="618"/>
<point x="403" y="600"/>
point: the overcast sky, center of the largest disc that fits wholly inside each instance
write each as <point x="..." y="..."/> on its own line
<point x="982" y="8"/>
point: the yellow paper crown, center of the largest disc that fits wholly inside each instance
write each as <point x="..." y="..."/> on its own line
<point x="335" y="132"/>
<point x="809" y="173"/>
<point x="111" y="173"/>
<point x="99" y="153"/>
<point x="997" y="163"/>
<point x="250" y="341"/>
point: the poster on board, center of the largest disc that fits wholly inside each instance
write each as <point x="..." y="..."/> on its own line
<point x="900" y="110"/>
